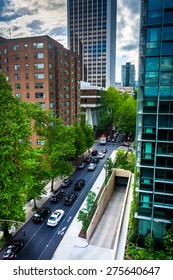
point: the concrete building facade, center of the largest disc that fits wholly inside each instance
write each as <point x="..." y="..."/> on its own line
<point x="92" y="33"/>
<point x="154" y="149"/>
<point x="41" y="70"/>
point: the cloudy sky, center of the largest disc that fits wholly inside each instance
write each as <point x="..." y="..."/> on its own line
<point x="23" y="18"/>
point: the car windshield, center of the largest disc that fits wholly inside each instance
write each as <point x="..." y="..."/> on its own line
<point x="9" y="250"/>
<point x="37" y="215"/>
<point x="52" y="218"/>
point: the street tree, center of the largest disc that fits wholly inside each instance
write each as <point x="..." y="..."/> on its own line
<point x="14" y="145"/>
<point x="89" y="134"/>
<point x="59" y="149"/>
<point x="38" y="171"/>
<point x="85" y="214"/>
<point x="126" y="121"/>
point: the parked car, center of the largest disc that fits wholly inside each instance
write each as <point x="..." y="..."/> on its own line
<point x="94" y="153"/>
<point x="79" y="184"/>
<point x="104" y="150"/>
<point x="101" y="155"/>
<point x="95" y="160"/>
<point x="56" y="196"/>
<point x="13" y="249"/>
<point x="66" y="182"/>
<point x="69" y="200"/>
<point x="40" y="214"/>
<point x="88" y="159"/>
<point x="81" y="165"/>
<point x="55" y="217"/>
<point x="91" y="166"/>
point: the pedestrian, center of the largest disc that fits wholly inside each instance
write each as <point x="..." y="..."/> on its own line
<point x="23" y="232"/>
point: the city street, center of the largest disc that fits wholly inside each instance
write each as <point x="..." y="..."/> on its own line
<point x="40" y="240"/>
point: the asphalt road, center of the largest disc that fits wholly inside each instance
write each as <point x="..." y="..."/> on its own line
<point x="40" y="240"/>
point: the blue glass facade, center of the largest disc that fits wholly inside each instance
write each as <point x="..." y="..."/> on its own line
<point x="154" y="150"/>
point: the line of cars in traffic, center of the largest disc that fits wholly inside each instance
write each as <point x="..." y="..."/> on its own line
<point x="93" y="161"/>
<point x="56" y="196"/>
<point x="15" y="246"/>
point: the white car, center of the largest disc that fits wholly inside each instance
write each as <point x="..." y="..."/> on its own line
<point x="55" y="217"/>
<point x="101" y="155"/>
<point x="92" y="166"/>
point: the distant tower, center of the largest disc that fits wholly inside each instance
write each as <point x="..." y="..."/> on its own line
<point x="128" y="75"/>
<point x="92" y="32"/>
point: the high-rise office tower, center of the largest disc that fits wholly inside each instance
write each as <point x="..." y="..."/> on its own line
<point x="155" y="119"/>
<point x="92" y="32"/>
<point x="128" y="75"/>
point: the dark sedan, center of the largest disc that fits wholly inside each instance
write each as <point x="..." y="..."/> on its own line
<point x="13" y="249"/>
<point x="69" y="200"/>
<point x="66" y="182"/>
<point x="40" y="214"/>
<point x="79" y="184"/>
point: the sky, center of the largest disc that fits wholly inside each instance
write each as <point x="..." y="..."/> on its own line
<point x="26" y="18"/>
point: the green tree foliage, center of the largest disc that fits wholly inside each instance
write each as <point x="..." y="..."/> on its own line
<point x="59" y="149"/>
<point x="80" y="140"/>
<point x="85" y="214"/>
<point x="38" y="171"/>
<point x="89" y="134"/>
<point x="119" y="109"/>
<point x="14" y="145"/>
<point x="168" y="240"/>
<point x="126" y="120"/>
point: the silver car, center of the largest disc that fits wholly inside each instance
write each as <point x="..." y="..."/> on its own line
<point x="92" y="166"/>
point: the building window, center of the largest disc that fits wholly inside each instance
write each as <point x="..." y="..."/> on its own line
<point x="16" y="57"/>
<point x="51" y="76"/>
<point x="25" y="46"/>
<point x="42" y="105"/>
<point x="39" y="65"/>
<point x="6" y="69"/>
<point x="39" y="55"/>
<point x="17" y="86"/>
<point x="15" y="47"/>
<point x="26" y="56"/>
<point x="39" y="95"/>
<point x="41" y="142"/>
<point x="38" y="45"/>
<point x="50" y="46"/>
<point x="27" y="86"/>
<point x="17" y="76"/>
<point x="5" y="50"/>
<point x="26" y="66"/>
<point x="39" y="75"/>
<point x="18" y="95"/>
<point x="27" y="95"/>
<point x="26" y="76"/>
<point x="16" y="67"/>
<point x="50" y="66"/>
<point x="52" y="105"/>
<point x="5" y="59"/>
<point x="39" y="85"/>
<point x="7" y="78"/>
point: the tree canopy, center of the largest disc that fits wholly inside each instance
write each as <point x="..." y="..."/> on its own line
<point x="118" y="109"/>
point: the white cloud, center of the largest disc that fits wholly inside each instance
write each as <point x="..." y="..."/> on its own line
<point x="35" y="17"/>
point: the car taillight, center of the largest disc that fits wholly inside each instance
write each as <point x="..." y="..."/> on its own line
<point x="11" y="257"/>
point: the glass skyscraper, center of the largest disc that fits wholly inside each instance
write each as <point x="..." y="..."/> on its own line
<point x="154" y="148"/>
<point x="92" y="33"/>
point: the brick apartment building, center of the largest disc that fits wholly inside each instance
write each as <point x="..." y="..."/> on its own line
<point x="41" y="70"/>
